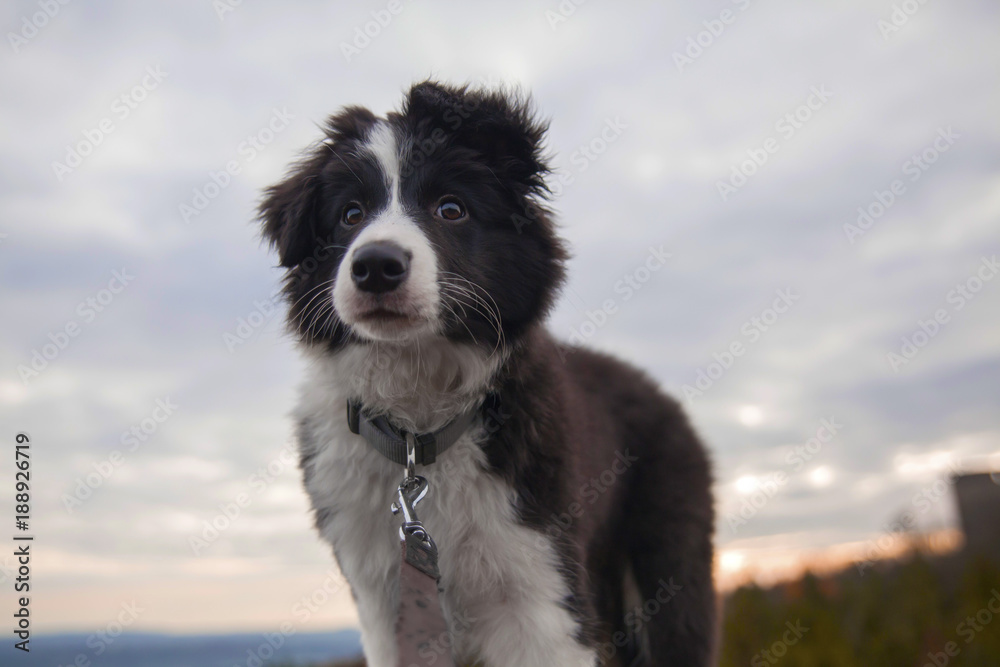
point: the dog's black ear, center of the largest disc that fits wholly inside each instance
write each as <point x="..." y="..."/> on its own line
<point x="288" y="212"/>
<point x="352" y="123"/>
<point x="500" y="124"/>
<point x="290" y="208"/>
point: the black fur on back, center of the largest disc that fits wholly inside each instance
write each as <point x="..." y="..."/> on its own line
<point x="570" y="414"/>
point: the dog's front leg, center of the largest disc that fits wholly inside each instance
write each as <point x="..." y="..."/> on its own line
<point x="377" y="615"/>
<point x="529" y="632"/>
<point x="369" y="561"/>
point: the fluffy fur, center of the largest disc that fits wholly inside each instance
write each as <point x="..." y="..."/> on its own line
<point x="575" y="524"/>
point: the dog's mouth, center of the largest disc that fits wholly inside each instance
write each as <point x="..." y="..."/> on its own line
<point x="386" y="315"/>
<point x="381" y="321"/>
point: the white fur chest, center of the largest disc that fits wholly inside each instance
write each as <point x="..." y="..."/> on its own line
<point x="503" y="592"/>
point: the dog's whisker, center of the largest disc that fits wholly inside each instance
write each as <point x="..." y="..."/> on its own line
<point x="322" y="309"/>
<point x="475" y="307"/>
<point x="329" y="321"/>
<point x="319" y="307"/>
<point x="322" y="285"/>
<point x="456" y="302"/>
<point x="492" y="311"/>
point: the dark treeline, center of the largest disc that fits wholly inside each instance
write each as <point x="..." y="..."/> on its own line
<point x="918" y="611"/>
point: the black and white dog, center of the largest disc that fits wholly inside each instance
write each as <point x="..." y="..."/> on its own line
<point x="575" y="522"/>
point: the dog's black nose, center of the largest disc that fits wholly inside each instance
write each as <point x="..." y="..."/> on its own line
<point x="379" y="267"/>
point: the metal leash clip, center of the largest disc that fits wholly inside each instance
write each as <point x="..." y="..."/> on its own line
<point x="411" y="491"/>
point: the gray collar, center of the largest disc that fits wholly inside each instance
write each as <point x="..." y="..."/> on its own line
<point x="390" y="441"/>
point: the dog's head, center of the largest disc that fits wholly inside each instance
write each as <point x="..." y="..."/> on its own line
<point x="426" y="223"/>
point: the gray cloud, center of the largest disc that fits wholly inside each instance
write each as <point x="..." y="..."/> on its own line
<point x="163" y="335"/>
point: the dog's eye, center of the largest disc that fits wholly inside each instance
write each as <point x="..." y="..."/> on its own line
<point x="450" y="209"/>
<point x="352" y="215"/>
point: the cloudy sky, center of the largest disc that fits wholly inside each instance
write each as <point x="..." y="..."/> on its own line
<point x="143" y="352"/>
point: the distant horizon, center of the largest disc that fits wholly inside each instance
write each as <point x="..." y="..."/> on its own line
<point x="165" y="633"/>
<point x="153" y="649"/>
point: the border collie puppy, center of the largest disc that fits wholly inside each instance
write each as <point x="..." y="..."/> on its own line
<point x="574" y="521"/>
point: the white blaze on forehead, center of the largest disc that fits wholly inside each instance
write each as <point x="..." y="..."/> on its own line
<point x="383" y="146"/>
<point x="418" y="295"/>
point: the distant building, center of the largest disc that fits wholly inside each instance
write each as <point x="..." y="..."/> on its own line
<point x="979" y="506"/>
